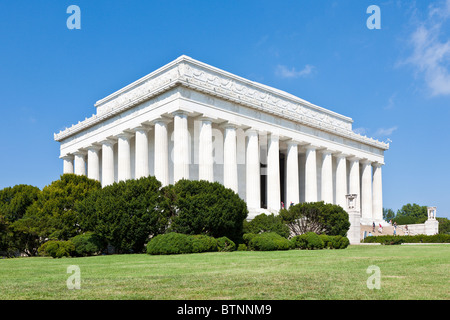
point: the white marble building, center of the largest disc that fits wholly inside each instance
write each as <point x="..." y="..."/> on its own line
<point x="191" y="120"/>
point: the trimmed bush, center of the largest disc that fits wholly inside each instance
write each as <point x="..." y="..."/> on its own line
<point x="269" y="241"/>
<point x="247" y="237"/>
<point x="329" y="242"/>
<point x="87" y="244"/>
<point x="318" y="217"/>
<point x="420" y="238"/>
<point x="314" y="241"/>
<point x="300" y="242"/>
<point x="266" y="223"/>
<point x="202" y="243"/>
<point x="125" y="214"/>
<point x="343" y="242"/>
<point x="170" y="243"/>
<point x="178" y="243"/>
<point x="203" y="207"/>
<point x="242" y="247"/>
<point x="57" y="248"/>
<point x="225" y="245"/>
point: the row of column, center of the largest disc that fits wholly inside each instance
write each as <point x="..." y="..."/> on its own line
<point x="370" y="189"/>
<point x="76" y="163"/>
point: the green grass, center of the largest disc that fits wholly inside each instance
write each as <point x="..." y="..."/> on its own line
<point x="407" y="272"/>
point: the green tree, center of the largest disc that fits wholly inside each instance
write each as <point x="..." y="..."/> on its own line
<point x="316" y="217"/>
<point x="266" y="223"/>
<point x="202" y="207"/>
<point x="411" y="213"/>
<point x="388" y="214"/>
<point x="52" y="216"/>
<point x="444" y="225"/>
<point x="125" y="214"/>
<point x="14" y="201"/>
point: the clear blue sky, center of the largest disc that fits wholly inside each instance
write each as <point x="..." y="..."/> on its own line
<point x="394" y="82"/>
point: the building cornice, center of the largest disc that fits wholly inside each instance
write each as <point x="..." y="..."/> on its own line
<point x="198" y="76"/>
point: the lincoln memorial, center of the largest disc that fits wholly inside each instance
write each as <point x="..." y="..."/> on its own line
<point x="189" y="120"/>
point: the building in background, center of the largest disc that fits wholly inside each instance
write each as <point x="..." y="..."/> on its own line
<point x="189" y="120"/>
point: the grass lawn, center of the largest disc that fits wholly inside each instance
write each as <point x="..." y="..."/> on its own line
<point x="407" y="272"/>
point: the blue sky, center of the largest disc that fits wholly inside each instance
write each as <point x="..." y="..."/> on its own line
<point x="394" y="82"/>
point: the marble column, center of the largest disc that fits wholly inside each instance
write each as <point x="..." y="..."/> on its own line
<point x="68" y="164"/>
<point x="341" y="180"/>
<point x="327" y="177"/>
<point x="205" y="149"/>
<point x="181" y="147"/>
<point x="366" y="192"/>
<point x="354" y="186"/>
<point x="253" y="183"/>
<point x="230" y="169"/>
<point x="377" y="198"/>
<point x="161" y="151"/>
<point x="273" y="173"/>
<point x="141" y="152"/>
<point x="292" y="181"/>
<point x="80" y="163"/>
<point x="124" y="156"/>
<point x="310" y="175"/>
<point x="107" y="162"/>
<point x="93" y="162"/>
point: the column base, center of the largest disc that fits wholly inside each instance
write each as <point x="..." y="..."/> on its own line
<point x="354" y="233"/>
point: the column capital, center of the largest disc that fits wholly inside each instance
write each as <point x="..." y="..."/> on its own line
<point x="366" y="161"/>
<point x="292" y="142"/>
<point x="180" y="112"/>
<point x="251" y="131"/>
<point x="327" y="151"/>
<point x="68" y="157"/>
<point x="110" y="141"/>
<point x="124" y="135"/>
<point x="230" y="124"/>
<point x="142" y="128"/>
<point x="162" y="119"/>
<point x="340" y="154"/>
<point x="80" y="152"/>
<point x="354" y="158"/>
<point x="377" y="164"/>
<point x="94" y="147"/>
<point x="206" y="118"/>
<point x="310" y="146"/>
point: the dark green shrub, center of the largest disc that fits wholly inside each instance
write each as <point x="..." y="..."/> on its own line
<point x="314" y="241"/>
<point x="329" y="242"/>
<point x="420" y="238"/>
<point x="178" y="243"/>
<point x="317" y="217"/>
<point x="125" y="214"/>
<point x="202" y="243"/>
<point x="300" y="241"/>
<point x="53" y="214"/>
<point x="225" y="245"/>
<point x="170" y="243"/>
<point x="57" y="248"/>
<point x="242" y="247"/>
<point x="202" y="207"/>
<point x="269" y="241"/>
<point x="342" y="242"/>
<point x="247" y="237"/>
<point x="87" y="244"/>
<point x="266" y="223"/>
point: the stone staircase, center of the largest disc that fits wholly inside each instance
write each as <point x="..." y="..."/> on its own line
<point x="387" y="230"/>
